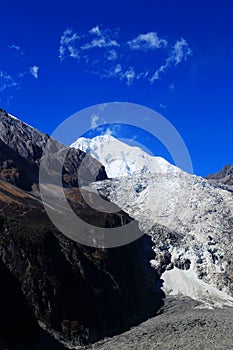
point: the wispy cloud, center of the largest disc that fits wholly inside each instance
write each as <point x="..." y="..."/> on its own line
<point x="104" y="54"/>
<point x="94" y="121"/>
<point x="68" y="44"/>
<point x="95" y="31"/>
<point x="113" y="130"/>
<point x="179" y="53"/>
<point x="6" y="81"/>
<point x="111" y="55"/>
<point x="172" y="87"/>
<point x="102" y="39"/>
<point x="161" y="105"/>
<point x="12" y="78"/>
<point x="149" y="41"/>
<point x="117" y="71"/>
<point x="16" y="49"/>
<point x="34" y="71"/>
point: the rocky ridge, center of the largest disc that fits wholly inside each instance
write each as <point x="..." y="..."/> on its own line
<point x="224" y="176"/>
<point x="23" y="147"/>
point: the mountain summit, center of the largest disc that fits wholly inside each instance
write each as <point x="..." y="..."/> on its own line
<point x="120" y="159"/>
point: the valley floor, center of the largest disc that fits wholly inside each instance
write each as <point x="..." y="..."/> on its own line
<point x="181" y="325"/>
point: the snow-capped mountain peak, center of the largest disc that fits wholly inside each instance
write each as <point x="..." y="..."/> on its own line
<point x="121" y="159"/>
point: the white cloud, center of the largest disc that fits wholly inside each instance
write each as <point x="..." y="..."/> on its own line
<point x="68" y="44"/>
<point x="172" y="87"/>
<point x="142" y="75"/>
<point x="129" y="75"/>
<point x="103" y="39"/>
<point x="113" y="72"/>
<point x="22" y="74"/>
<point x="113" y="130"/>
<point x="95" y="30"/>
<point x="180" y="52"/>
<point x="118" y="69"/>
<point x="161" y="69"/>
<point x="116" y="59"/>
<point x="149" y="41"/>
<point x="17" y="49"/>
<point x="99" y="43"/>
<point x="6" y="81"/>
<point x="111" y="55"/>
<point x="94" y="121"/>
<point x="117" y="72"/>
<point x="102" y="42"/>
<point x="34" y="70"/>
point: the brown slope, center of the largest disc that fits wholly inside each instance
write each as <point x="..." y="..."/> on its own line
<point x="81" y="293"/>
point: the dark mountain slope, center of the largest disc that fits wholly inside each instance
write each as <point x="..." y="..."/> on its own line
<point x="77" y="293"/>
<point x="81" y="293"/>
<point x="21" y="149"/>
<point x="224" y="176"/>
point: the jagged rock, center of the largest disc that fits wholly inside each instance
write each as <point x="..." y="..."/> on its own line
<point x="25" y="145"/>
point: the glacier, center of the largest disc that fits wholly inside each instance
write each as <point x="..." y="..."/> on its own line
<point x="189" y="218"/>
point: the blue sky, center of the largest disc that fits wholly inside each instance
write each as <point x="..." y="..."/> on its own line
<point x="172" y="56"/>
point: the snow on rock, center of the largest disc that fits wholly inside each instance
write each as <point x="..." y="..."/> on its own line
<point x="195" y="216"/>
<point x="189" y="218"/>
<point x="121" y="159"/>
<point x="185" y="283"/>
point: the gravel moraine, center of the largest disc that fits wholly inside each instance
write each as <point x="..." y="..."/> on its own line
<point x="181" y="325"/>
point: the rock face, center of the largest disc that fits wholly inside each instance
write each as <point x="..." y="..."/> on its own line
<point x="224" y="176"/>
<point x="77" y="294"/>
<point x="22" y="148"/>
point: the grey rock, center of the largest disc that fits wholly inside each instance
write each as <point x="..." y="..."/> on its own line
<point x="224" y="176"/>
<point x="179" y="326"/>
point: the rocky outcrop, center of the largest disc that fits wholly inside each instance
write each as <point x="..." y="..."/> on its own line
<point x="224" y="176"/>
<point x="21" y="149"/>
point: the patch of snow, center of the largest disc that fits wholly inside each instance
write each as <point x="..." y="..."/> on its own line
<point x="186" y="283"/>
<point x="121" y="159"/>
<point x="13" y="117"/>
